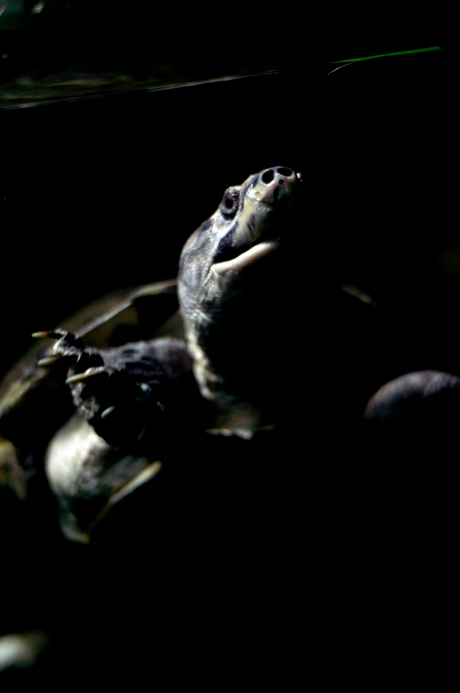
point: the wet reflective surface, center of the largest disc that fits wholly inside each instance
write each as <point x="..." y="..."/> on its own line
<point x="55" y="51"/>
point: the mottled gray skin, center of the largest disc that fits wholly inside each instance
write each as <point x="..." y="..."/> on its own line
<point x="233" y="283"/>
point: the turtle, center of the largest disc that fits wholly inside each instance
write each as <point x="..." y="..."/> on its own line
<point x="96" y="408"/>
<point x="167" y="377"/>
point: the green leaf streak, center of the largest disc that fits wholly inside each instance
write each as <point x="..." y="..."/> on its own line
<point x="350" y="61"/>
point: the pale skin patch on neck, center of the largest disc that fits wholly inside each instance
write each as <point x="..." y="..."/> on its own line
<point x="208" y="381"/>
<point x="231" y="416"/>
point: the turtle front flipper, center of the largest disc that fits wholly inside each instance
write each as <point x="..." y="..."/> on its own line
<point x="129" y="393"/>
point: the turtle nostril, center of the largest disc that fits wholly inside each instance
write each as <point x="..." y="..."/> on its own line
<point x="284" y="171"/>
<point x="268" y="176"/>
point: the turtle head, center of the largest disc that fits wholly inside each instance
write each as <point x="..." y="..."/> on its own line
<point x="249" y="224"/>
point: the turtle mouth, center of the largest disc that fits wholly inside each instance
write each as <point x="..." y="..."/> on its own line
<point x="243" y="259"/>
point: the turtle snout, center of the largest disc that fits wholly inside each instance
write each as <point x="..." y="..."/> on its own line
<point x="275" y="181"/>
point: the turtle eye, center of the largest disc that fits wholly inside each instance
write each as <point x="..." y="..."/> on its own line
<point x="229" y="203"/>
